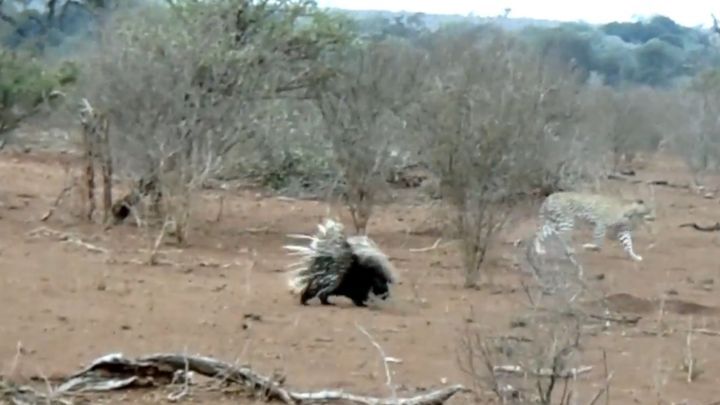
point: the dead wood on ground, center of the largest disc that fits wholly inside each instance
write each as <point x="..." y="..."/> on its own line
<point x="702" y="228"/>
<point x="116" y="372"/>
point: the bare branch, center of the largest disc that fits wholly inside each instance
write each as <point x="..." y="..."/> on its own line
<point x="544" y="372"/>
<point x="702" y="228"/>
<point x="114" y="371"/>
<point x="384" y="357"/>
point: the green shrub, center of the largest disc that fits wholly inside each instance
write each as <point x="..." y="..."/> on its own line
<point x="25" y="83"/>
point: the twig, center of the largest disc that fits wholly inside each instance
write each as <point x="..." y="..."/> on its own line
<point x="16" y="358"/>
<point x="22" y="394"/>
<point x="521" y="339"/>
<point x="543" y="372"/>
<point x="152" y="259"/>
<point x="263" y="229"/>
<point x="176" y="396"/>
<point x="689" y="360"/>
<point x="67" y="237"/>
<point x="605" y="390"/>
<point x="51" y="394"/>
<point x="665" y="183"/>
<point x="622" y="177"/>
<point x="702" y="228"/>
<point x="662" y="183"/>
<point x="383" y="356"/>
<point x="630" y="320"/>
<point x="608" y="378"/>
<point x="114" y="371"/>
<point x="218" y="217"/>
<point x="426" y="249"/>
<point x="707" y="332"/>
<point x="56" y="203"/>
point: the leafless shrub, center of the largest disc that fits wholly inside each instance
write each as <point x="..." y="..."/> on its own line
<point x="289" y="152"/>
<point x="501" y="126"/>
<point x="541" y="362"/>
<point x="361" y="107"/>
<point x="626" y="120"/>
<point x="186" y="86"/>
<point x="697" y="132"/>
<point x="540" y="368"/>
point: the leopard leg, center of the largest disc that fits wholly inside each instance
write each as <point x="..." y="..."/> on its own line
<point x="564" y="231"/>
<point x="598" y="238"/>
<point x="626" y="240"/>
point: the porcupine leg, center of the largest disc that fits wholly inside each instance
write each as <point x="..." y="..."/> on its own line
<point x="360" y="302"/>
<point x="306" y="296"/>
<point x="330" y="286"/>
<point x="325" y="293"/>
<point x="310" y="292"/>
<point x="313" y="290"/>
<point x="380" y="289"/>
<point x="324" y="299"/>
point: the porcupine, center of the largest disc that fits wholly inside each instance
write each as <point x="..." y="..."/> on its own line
<point x="336" y="265"/>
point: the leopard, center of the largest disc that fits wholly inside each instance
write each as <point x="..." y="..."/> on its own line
<point x="609" y="215"/>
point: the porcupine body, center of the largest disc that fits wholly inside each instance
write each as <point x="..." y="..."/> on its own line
<point x="336" y="265"/>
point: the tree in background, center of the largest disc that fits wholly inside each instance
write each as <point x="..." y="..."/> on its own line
<point x="499" y="125"/>
<point x="189" y="86"/>
<point x="362" y="106"/>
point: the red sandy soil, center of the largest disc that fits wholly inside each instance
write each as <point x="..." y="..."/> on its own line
<point x="225" y="295"/>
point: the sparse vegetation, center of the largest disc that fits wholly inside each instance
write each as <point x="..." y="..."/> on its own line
<point x="499" y="129"/>
<point x="697" y="130"/>
<point x="26" y="85"/>
<point x="190" y="86"/>
<point x="538" y="362"/>
<point x="362" y="106"/>
<point x="288" y="98"/>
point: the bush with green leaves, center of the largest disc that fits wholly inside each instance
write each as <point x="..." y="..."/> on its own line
<point x="25" y="83"/>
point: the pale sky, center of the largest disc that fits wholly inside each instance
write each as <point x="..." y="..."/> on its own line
<point x="686" y="12"/>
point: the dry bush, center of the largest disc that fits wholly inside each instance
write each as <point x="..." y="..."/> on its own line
<point x="188" y="86"/>
<point x="289" y="152"/>
<point x="541" y="361"/>
<point x="696" y="135"/>
<point x="501" y="125"/>
<point x="627" y="120"/>
<point x="362" y="107"/>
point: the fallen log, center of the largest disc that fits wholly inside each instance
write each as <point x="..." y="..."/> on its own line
<point x="114" y="372"/>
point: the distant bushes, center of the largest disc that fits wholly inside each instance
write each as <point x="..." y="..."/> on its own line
<point x="25" y="83"/>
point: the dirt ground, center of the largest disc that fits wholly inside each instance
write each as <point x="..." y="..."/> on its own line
<point x="225" y="295"/>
